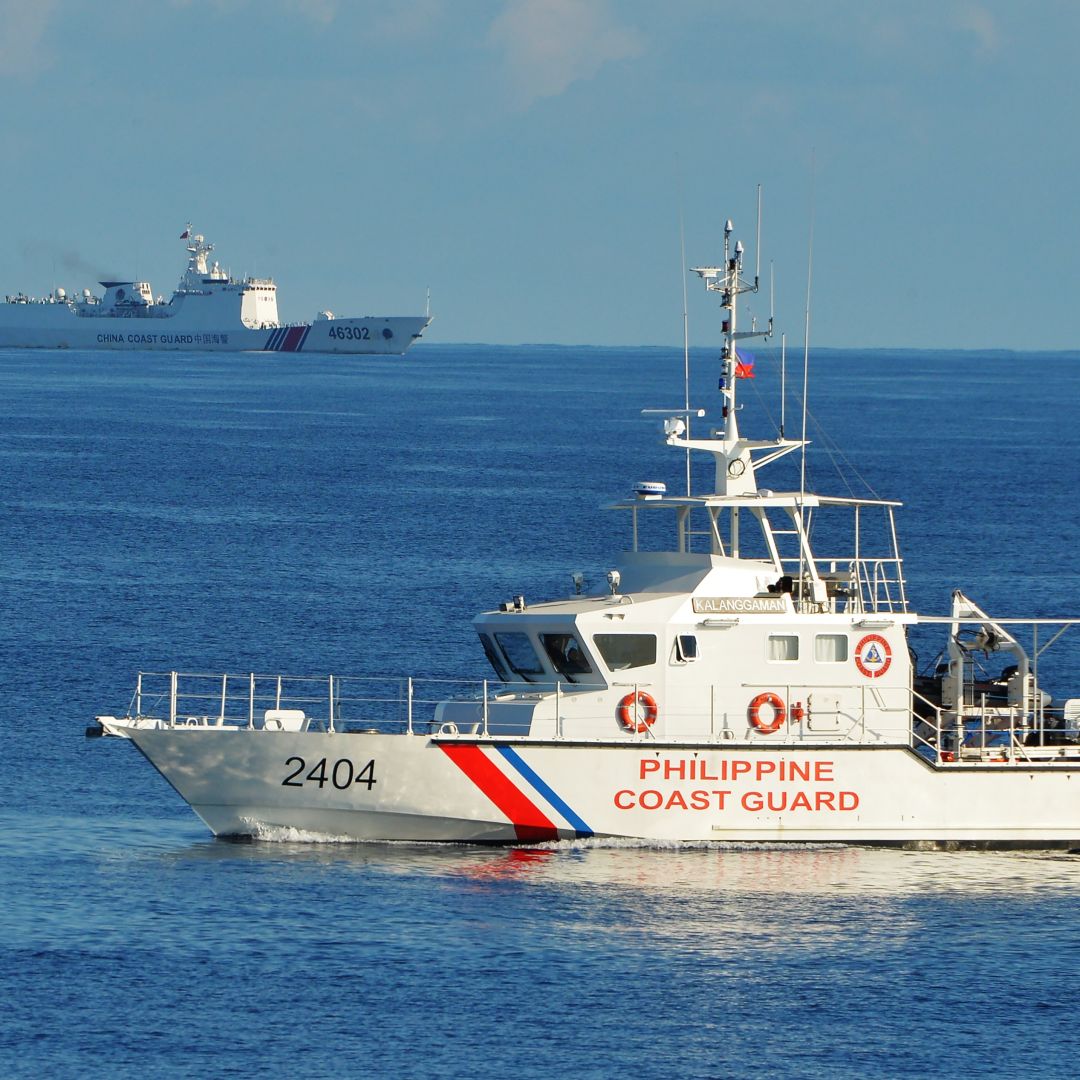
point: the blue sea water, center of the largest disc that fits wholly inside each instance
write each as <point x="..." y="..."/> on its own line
<point x="312" y="515"/>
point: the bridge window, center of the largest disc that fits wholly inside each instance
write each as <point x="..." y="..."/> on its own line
<point x="783" y="647"/>
<point x="566" y="655"/>
<point x="521" y="656"/>
<point x="622" y="651"/>
<point x="494" y="659"/>
<point x="831" y="648"/>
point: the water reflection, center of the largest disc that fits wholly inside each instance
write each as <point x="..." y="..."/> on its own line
<point x="160" y="884"/>
<point x="789" y="870"/>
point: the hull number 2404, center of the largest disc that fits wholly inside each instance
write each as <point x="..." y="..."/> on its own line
<point x="342" y="774"/>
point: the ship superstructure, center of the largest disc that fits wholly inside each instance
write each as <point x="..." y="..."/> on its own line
<point x="209" y="311"/>
<point x="730" y="682"/>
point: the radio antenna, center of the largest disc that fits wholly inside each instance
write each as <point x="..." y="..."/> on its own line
<point x="806" y="376"/>
<point x="686" y="342"/>
<point x="757" y="242"/>
<point x="783" y="380"/>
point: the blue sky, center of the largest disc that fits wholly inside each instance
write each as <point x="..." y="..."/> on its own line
<point x="528" y="159"/>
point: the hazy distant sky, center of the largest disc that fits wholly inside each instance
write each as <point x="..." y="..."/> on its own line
<point x="528" y="159"/>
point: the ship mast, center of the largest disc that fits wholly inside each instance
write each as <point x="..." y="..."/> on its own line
<point x="730" y="283"/>
<point x="734" y="465"/>
<point x="197" y="270"/>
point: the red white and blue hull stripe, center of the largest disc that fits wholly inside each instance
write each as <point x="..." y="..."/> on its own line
<point x="513" y="785"/>
<point x="287" y="339"/>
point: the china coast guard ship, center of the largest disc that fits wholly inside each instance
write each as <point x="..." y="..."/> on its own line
<point x="210" y="310"/>
<point x="732" y="685"/>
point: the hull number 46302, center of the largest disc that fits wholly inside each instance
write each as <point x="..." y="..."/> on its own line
<point x="359" y="333"/>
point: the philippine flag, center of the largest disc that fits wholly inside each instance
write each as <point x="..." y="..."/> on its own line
<point x="744" y="366"/>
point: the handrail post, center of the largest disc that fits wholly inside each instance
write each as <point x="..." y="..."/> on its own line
<point x="251" y="700"/>
<point x="138" y="695"/>
<point x="558" y="709"/>
<point x="172" y="699"/>
<point x="485" y="708"/>
<point x="224" y="695"/>
<point x="409" y="705"/>
<point x="277" y="698"/>
<point x="1036" y="693"/>
<point x="331" y="728"/>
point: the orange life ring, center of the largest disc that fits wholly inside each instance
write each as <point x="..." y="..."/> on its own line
<point x="779" y="712"/>
<point x="628" y="710"/>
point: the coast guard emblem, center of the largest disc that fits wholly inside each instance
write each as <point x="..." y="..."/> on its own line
<point x="873" y="656"/>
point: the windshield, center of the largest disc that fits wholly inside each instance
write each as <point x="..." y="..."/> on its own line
<point x="520" y="655"/>
<point x="567" y="656"/>
<point x="494" y="659"/>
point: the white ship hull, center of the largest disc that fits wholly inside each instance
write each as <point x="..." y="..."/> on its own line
<point x="209" y="311"/>
<point x="55" y="326"/>
<point x="446" y="788"/>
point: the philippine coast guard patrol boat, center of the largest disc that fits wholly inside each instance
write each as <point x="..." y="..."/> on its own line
<point x="210" y="310"/>
<point x="729" y="684"/>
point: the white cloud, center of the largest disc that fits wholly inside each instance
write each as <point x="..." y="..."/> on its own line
<point x="24" y="24"/>
<point x="549" y="44"/>
<point x="408" y="20"/>
<point x="384" y="19"/>
<point x="320" y="11"/>
<point x="981" y="25"/>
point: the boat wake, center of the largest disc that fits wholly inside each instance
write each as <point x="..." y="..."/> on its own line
<point x="286" y="834"/>
<point x="258" y="832"/>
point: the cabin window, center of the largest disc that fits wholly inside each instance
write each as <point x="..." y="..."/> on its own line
<point x="521" y="656"/>
<point x="566" y="655"/>
<point x="622" y="651"/>
<point x="494" y="659"/>
<point x="783" y="647"/>
<point x="685" y="648"/>
<point x="831" y="648"/>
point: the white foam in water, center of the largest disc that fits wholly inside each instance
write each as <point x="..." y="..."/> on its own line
<point x="287" y="834"/>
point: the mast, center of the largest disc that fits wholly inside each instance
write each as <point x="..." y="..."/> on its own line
<point x="783" y="517"/>
<point x="734" y="465"/>
<point x="198" y="248"/>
